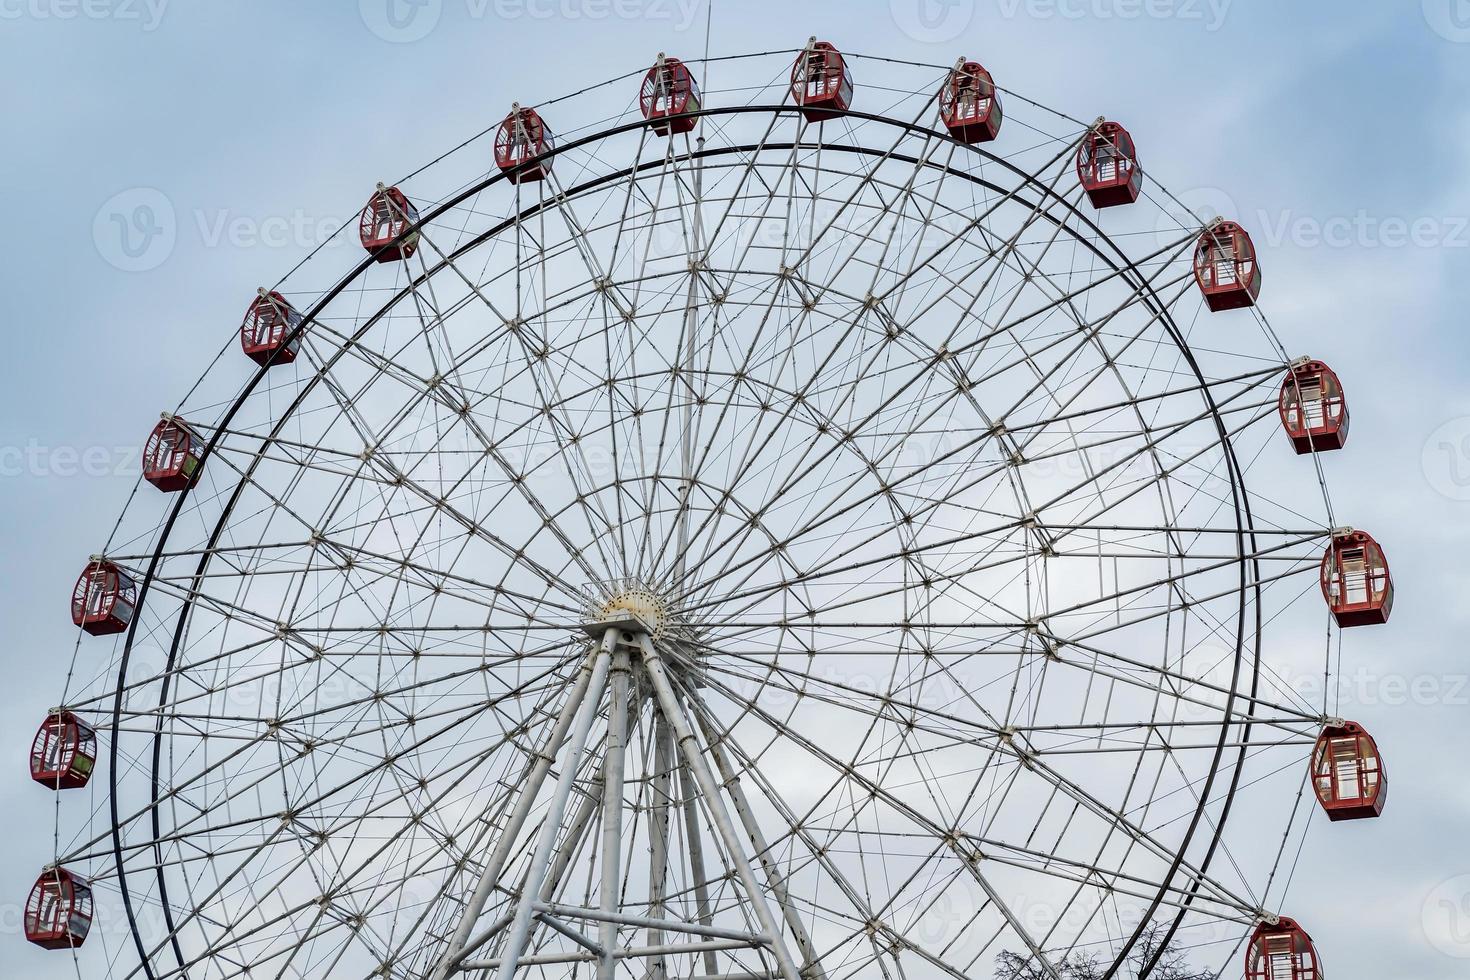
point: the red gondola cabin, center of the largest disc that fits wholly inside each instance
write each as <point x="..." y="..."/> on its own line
<point x="268" y="323"/>
<point x="668" y="92"/>
<point x="1282" y="951"/>
<point x="104" y="598"/>
<point x="1107" y="166"/>
<point x="384" y="227"/>
<point x="821" y="81"/>
<point x="64" y="752"/>
<point x="523" y="139"/>
<point x="1226" y="268"/>
<point x="173" y="454"/>
<point x="969" y="105"/>
<point x="59" y="912"/>
<point x="1348" y="773"/>
<point x="1314" y="410"/>
<point x="1355" y="580"/>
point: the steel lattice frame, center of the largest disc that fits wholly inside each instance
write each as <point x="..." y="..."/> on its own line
<point x="941" y="600"/>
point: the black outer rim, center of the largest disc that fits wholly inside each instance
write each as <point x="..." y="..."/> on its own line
<point x="1125" y="267"/>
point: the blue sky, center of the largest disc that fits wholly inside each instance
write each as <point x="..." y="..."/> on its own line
<point x="1339" y="132"/>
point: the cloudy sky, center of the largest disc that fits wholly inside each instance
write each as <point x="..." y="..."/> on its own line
<point x="158" y="154"/>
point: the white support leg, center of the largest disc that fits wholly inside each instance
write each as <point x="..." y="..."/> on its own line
<point x="536" y="772"/>
<point x="688" y="790"/>
<point x="658" y="833"/>
<point x="709" y="788"/>
<point x="731" y="781"/>
<point x="565" y="854"/>
<point x="612" y="811"/>
<point x="520" y="927"/>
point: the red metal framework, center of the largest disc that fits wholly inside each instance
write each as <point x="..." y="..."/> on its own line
<point x="64" y="752"/>
<point x="1348" y="773"/>
<point x="821" y="81"/>
<point x="58" y="914"/>
<point x="522" y="145"/>
<point x="268" y="323"/>
<point x="1355" y="580"/>
<point x="1314" y="409"/>
<point x="669" y="91"/>
<point x="384" y="227"/>
<point x="103" y="600"/>
<point x="1282" y="951"/>
<point x="1226" y="268"/>
<point x="969" y="105"/>
<point x="1107" y="166"/>
<point x="172" y="455"/>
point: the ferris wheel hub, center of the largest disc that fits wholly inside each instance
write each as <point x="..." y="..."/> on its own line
<point x="631" y="606"/>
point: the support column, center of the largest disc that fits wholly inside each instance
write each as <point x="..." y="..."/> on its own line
<point x="612" y="811"/>
<point x="658" y="837"/>
<point x="709" y="788"/>
<point x="757" y="840"/>
<point x="565" y="854"/>
<point x="688" y="790"/>
<point x="576" y="745"/>
<point x="536" y="772"/>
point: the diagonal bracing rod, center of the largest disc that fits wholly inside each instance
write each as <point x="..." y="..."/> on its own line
<point x="688" y="790"/>
<point x="709" y="788"/>
<point x="595" y="669"/>
<point x="758" y="842"/>
<point x="658" y="838"/>
<point x="587" y="712"/>
<point x="576" y="829"/>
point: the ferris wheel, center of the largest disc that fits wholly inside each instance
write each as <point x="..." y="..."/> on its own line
<point x="802" y="524"/>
